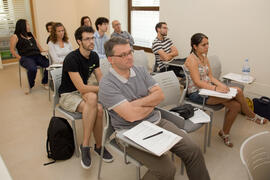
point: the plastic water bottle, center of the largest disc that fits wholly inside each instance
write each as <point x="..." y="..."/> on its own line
<point x="245" y="71"/>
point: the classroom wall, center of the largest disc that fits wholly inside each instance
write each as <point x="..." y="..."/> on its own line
<point x="119" y="11"/>
<point x="69" y="12"/>
<point x="237" y="30"/>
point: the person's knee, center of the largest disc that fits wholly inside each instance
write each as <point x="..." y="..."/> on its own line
<point x="90" y="98"/>
<point x="32" y="69"/>
<point x="239" y="91"/>
<point x="100" y="110"/>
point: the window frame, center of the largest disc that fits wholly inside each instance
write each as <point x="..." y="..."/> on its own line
<point x="141" y="8"/>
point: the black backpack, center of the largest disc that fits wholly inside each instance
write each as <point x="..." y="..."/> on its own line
<point x="60" y="141"/>
<point x="186" y="110"/>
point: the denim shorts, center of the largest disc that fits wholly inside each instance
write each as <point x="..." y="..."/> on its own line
<point x="197" y="98"/>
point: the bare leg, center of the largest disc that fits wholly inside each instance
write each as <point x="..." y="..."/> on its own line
<point x="98" y="126"/>
<point x="244" y="106"/>
<point x="88" y="107"/>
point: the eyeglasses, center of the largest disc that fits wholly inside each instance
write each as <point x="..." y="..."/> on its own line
<point x="124" y="55"/>
<point x="89" y="39"/>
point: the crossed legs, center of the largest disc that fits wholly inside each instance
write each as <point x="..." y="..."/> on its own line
<point x="233" y="106"/>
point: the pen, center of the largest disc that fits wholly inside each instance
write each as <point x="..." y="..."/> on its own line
<point x="160" y="132"/>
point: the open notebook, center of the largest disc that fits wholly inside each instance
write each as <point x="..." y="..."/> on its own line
<point x="157" y="144"/>
<point x="231" y="94"/>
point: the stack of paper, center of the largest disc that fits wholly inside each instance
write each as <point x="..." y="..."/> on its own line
<point x="231" y="94"/>
<point x="157" y="144"/>
<point x="238" y="78"/>
<point x="200" y="117"/>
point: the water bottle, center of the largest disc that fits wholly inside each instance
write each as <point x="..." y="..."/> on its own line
<point x="245" y="71"/>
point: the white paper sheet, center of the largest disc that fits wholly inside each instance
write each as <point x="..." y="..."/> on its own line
<point x="200" y="117"/>
<point x="158" y="144"/>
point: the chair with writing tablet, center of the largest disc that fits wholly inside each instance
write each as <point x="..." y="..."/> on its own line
<point x="110" y="136"/>
<point x="170" y="86"/>
<point x="56" y="75"/>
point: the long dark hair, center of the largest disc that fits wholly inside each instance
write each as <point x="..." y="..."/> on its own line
<point x="83" y="18"/>
<point x="20" y="28"/>
<point x="53" y="36"/>
<point x="196" y="39"/>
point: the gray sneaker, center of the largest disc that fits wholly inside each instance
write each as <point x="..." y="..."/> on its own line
<point x="86" y="158"/>
<point x="107" y="157"/>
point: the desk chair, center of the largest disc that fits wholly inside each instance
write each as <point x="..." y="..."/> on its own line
<point x="108" y="136"/>
<point x="20" y="76"/>
<point x="255" y="155"/>
<point x="171" y="88"/>
<point x="140" y="59"/>
<point x="56" y="75"/>
<point x="108" y="131"/>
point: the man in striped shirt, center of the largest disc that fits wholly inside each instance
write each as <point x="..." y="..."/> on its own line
<point x="163" y="47"/>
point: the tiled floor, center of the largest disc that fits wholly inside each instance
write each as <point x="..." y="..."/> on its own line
<point x="23" y="128"/>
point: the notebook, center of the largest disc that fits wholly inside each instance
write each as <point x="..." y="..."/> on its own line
<point x="153" y="138"/>
<point x="231" y="94"/>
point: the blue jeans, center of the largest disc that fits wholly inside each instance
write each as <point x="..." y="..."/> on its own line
<point x="30" y="63"/>
<point x="197" y="98"/>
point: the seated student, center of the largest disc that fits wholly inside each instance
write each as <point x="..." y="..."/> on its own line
<point x="77" y="96"/>
<point x="199" y="75"/>
<point x="119" y="33"/>
<point x="29" y="53"/>
<point x="49" y="28"/>
<point x="86" y="21"/>
<point x="100" y="36"/>
<point x="164" y="50"/>
<point x="131" y="94"/>
<point x="59" y="46"/>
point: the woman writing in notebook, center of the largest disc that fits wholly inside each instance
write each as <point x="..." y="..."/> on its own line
<point x="199" y="76"/>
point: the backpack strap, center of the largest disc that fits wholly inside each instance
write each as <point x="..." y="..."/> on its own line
<point x="48" y="153"/>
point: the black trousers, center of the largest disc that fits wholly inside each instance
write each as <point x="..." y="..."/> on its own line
<point x="30" y="63"/>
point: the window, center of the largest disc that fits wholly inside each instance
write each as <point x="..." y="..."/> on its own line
<point x="142" y="19"/>
<point x="10" y="12"/>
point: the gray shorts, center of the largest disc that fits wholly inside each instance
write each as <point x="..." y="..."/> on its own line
<point x="70" y="101"/>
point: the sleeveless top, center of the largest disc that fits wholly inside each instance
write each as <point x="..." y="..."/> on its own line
<point x="203" y="71"/>
<point x="27" y="47"/>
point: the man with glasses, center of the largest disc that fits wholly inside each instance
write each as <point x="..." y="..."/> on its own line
<point x="164" y="50"/>
<point x="119" y="33"/>
<point x="77" y="96"/>
<point x="130" y="94"/>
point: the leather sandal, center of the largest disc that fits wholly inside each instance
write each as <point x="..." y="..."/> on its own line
<point x="258" y="119"/>
<point x="225" y="138"/>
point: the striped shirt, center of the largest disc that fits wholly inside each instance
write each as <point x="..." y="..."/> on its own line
<point x="165" y="45"/>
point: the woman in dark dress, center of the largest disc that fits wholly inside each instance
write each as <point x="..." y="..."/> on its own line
<point x="29" y="52"/>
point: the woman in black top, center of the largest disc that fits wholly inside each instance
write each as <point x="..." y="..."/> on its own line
<point x="29" y="52"/>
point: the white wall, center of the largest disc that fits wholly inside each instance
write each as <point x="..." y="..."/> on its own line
<point x="237" y="29"/>
<point x="69" y="12"/>
<point x="118" y="11"/>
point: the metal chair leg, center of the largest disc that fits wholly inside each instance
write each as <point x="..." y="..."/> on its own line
<point x="172" y="156"/>
<point x="75" y="138"/>
<point x="182" y="167"/>
<point x="210" y="129"/>
<point x="20" y="77"/>
<point x="205" y="138"/>
<point x="138" y="173"/>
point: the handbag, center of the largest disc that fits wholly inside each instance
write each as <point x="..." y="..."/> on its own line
<point x="262" y="106"/>
<point x="186" y="111"/>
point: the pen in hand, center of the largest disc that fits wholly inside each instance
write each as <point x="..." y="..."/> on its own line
<point x="160" y="132"/>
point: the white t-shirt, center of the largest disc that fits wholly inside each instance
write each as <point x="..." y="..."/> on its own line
<point x="57" y="53"/>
